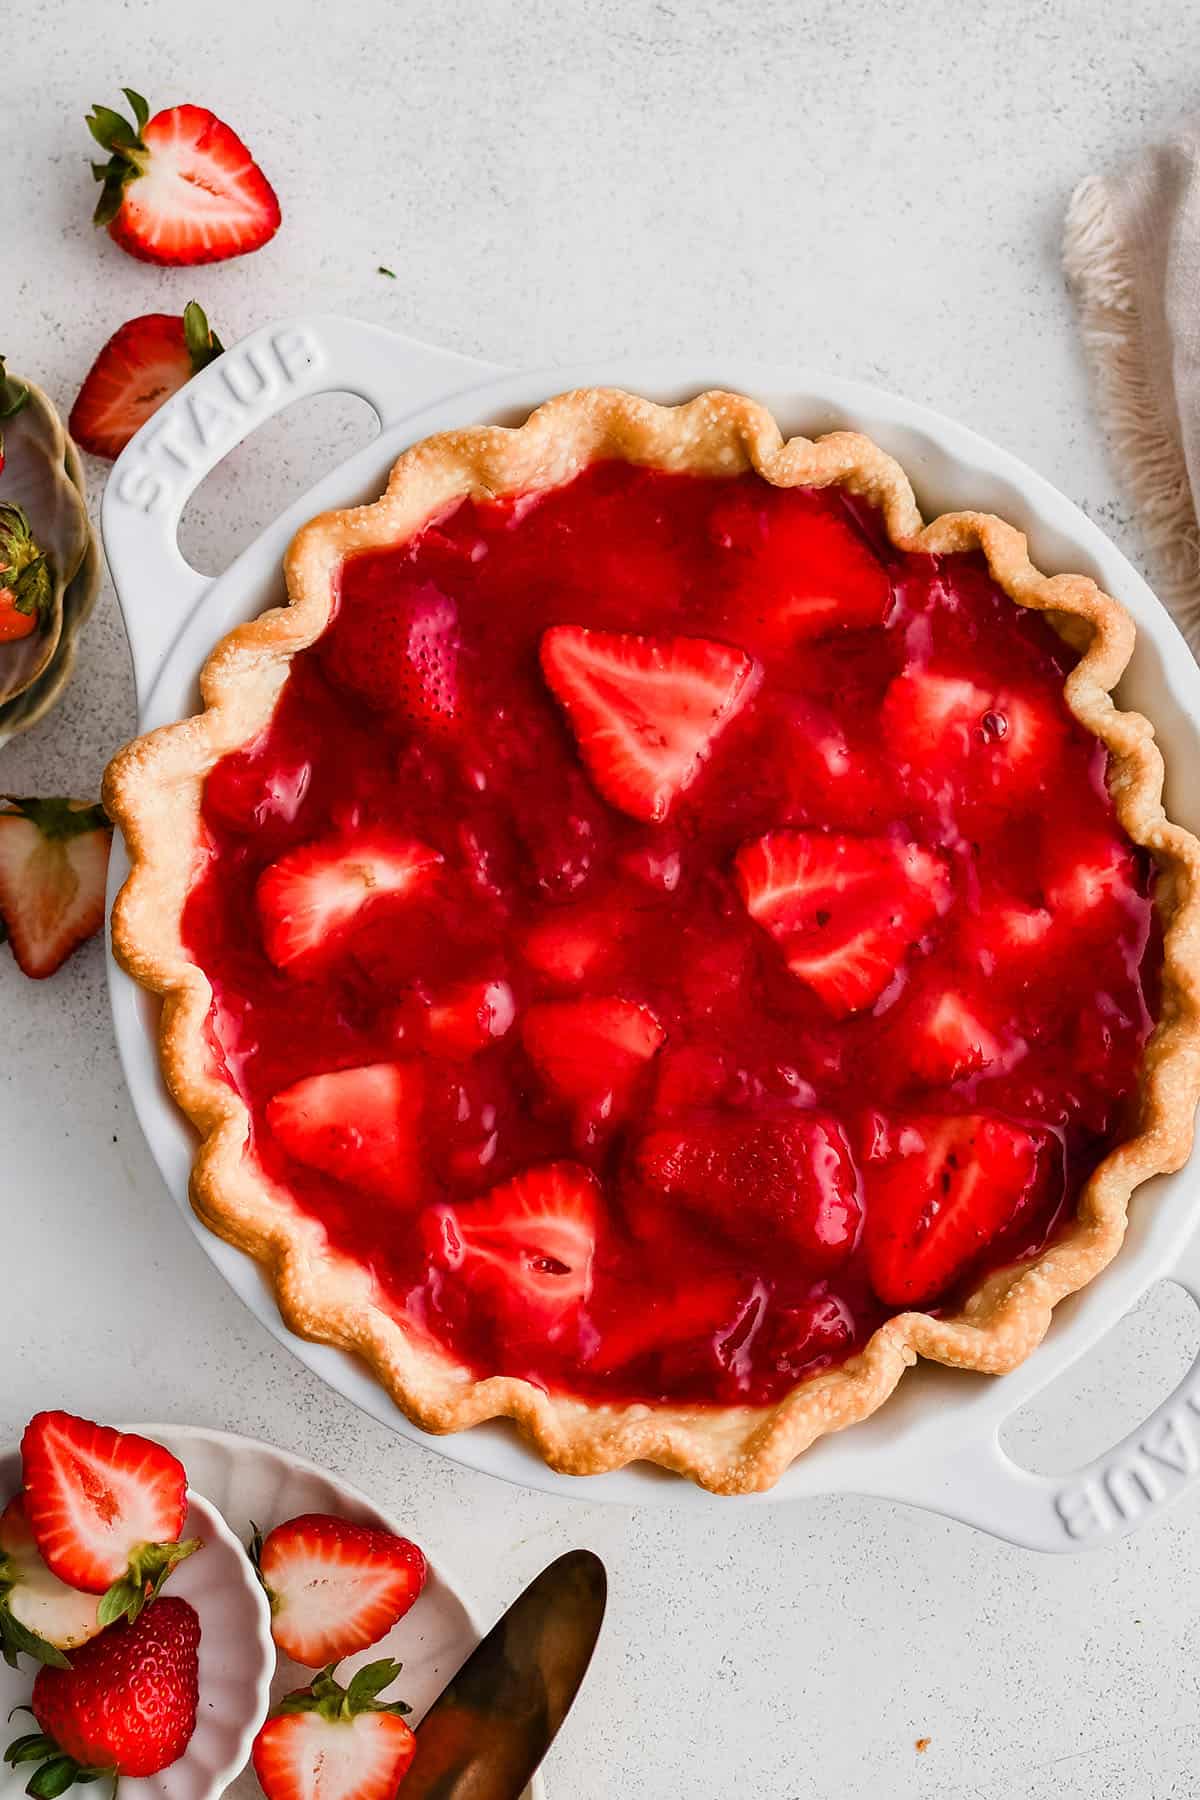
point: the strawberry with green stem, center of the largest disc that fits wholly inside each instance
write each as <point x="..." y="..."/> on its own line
<point x="126" y="1705"/>
<point x="53" y="868"/>
<point x="326" y="1742"/>
<point x="179" y="187"/>
<point x="26" y="587"/>
<point x="40" y="1616"/>
<point x="107" y="1509"/>
<point x="144" y="362"/>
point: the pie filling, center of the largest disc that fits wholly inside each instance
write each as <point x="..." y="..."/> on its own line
<point x="665" y="931"/>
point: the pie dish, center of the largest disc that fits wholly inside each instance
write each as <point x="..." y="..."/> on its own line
<point x="654" y="938"/>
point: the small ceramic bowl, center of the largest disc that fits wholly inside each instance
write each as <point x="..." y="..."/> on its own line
<point x="237" y="1661"/>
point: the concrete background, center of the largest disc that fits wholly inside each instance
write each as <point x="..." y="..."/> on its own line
<point x="874" y="189"/>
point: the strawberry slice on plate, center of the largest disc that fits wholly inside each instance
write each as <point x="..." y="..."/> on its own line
<point x="591" y="1052"/>
<point x="527" y="1245"/>
<point x="939" y="1189"/>
<point x="105" y="1508"/>
<point x="328" y="1742"/>
<point x="53" y="869"/>
<point x="997" y="742"/>
<point x="39" y="1614"/>
<point x="845" y="911"/>
<point x="359" y="1126"/>
<point x="335" y="1587"/>
<point x="646" y="712"/>
<point x="397" y="646"/>
<point x="180" y="187"/>
<point x="143" y="363"/>
<point x="309" y="898"/>
<point x="760" y="1181"/>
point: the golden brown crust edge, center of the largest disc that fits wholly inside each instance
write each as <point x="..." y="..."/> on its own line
<point x="153" y="789"/>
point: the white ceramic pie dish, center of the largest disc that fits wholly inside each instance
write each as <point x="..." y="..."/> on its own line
<point x="237" y="1661"/>
<point x="936" y="1443"/>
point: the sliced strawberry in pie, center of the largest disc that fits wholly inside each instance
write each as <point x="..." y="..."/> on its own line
<point x="646" y="711"/>
<point x="800" y="571"/>
<point x="591" y="1052"/>
<point x="696" y="1314"/>
<point x="359" y="1126"/>
<point x="945" y="1037"/>
<point x="528" y="1245"/>
<point x="465" y="1018"/>
<point x="845" y="911"/>
<point x="1089" y="878"/>
<point x="397" y="647"/>
<point x="761" y="1181"/>
<point x="940" y="1188"/>
<point x="311" y="895"/>
<point x="996" y="742"/>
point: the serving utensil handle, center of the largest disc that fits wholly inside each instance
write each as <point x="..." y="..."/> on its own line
<point x="164" y="463"/>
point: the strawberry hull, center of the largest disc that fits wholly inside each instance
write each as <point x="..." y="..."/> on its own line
<point x="651" y="914"/>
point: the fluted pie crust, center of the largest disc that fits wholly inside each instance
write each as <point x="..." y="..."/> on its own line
<point x="153" y="789"/>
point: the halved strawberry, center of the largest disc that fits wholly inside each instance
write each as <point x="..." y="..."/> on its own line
<point x="465" y="1018"/>
<point x="645" y="711"/>
<point x="326" y="1742"/>
<point x="143" y="363"/>
<point x="53" y="869"/>
<point x="998" y="742"/>
<point x="105" y="1507"/>
<point x="309" y="897"/>
<point x="335" y="1587"/>
<point x="396" y="644"/>
<point x="845" y="911"/>
<point x="944" y="1037"/>
<point x="180" y="187"/>
<point x="760" y="1181"/>
<point x="361" y="1126"/>
<point x="591" y="1052"/>
<point x="939" y="1189"/>
<point x="527" y="1245"/>
<point x="40" y="1616"/>
<point x="800" y="568"/>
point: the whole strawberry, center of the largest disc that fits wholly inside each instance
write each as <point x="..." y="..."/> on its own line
<point x="180" y="187"/>
<point x="126" y="1706"/>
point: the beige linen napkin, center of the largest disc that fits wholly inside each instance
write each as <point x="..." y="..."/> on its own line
<point x="1131" y="251"/>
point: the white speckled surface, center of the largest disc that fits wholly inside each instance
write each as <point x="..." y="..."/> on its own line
<point x="873" y="190"/>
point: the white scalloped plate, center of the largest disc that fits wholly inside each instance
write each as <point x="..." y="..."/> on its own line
<point x="248" y="1480"/>
<point x="244" y="1480"/>
<point x="236" y="1658"/>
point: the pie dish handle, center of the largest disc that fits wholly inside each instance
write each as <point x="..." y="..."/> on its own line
<point x="1110" y="1497"/>
<point x="165" y="462"/>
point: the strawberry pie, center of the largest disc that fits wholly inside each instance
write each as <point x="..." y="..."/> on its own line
<point x="655" y="937"/>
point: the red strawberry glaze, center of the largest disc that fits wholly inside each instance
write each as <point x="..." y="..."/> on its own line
<point x="547" y="888"/>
